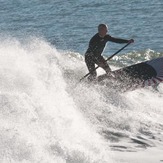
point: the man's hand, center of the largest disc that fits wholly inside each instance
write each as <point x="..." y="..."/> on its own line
<point x="131" y="41"/>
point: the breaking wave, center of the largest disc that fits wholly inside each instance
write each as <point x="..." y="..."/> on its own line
<point x="46" y="117"/>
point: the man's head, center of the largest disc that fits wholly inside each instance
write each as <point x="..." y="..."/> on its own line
<point x="102" y="29"/>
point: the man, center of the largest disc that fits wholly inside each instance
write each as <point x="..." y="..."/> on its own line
<point x="95" y="49"/>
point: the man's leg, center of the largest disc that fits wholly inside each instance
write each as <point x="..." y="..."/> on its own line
<point x="91" y="66"/>
<point x="102" y="63"/>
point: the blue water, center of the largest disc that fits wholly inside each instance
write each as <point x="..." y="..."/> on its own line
<point x="45" y="117"/>
<point x="69" y="25"/>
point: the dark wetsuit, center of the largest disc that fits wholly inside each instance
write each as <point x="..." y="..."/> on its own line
<point x="95" y="49"/>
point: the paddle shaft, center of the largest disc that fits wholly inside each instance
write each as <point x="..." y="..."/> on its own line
<point x="105" y="61"/>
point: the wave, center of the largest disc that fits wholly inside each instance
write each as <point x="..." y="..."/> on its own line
<point x="133" y="117"/>
<point x="135" y="57"/>
<point x="39" y="120"/>
<point x="46" y="117"/>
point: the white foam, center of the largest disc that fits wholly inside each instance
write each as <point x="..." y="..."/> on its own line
<point x="39" y="121"/>
<point x="44" y="118"/>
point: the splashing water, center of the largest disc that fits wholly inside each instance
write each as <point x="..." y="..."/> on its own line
<point x="40" y="122"/>
<point x="44" y="118"/>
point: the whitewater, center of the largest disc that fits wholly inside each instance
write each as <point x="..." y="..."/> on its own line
<point x="45" y="117"/>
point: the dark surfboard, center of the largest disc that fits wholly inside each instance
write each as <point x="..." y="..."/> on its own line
<point x="131" y="77"/>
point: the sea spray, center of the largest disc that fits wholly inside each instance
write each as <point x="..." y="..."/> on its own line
<point x="44" y="118"/>
<point x="40" y="121"/>
<point x="118" y="116"/>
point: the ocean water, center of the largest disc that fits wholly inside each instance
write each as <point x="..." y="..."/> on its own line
<point x="71" y="24"/>
<point x="44" y="116"/>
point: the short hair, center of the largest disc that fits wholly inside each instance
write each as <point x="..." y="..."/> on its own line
<point x="102" y="26"/>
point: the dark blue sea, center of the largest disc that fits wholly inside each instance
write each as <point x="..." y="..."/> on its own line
<point x="69" y="25"/>
<point x="44" y="116"/>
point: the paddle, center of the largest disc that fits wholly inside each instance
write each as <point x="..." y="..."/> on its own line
<point x="106" y="60"/>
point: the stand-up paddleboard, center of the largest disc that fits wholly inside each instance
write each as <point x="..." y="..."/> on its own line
<point x="143" y="74"/>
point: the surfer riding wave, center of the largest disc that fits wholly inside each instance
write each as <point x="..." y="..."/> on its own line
<point x="96" y="46"/>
